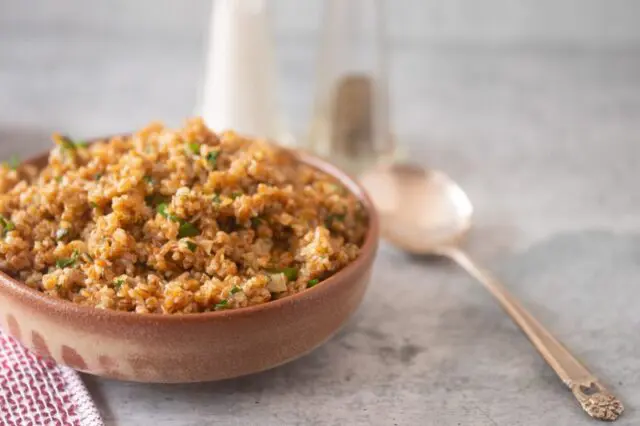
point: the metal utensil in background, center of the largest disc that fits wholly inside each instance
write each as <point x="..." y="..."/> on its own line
<point x="425" y="212"/>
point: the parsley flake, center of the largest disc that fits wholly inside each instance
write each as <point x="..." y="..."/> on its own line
<point x="212" y="158"/>
<point x="118" y="282"/>
<point x="68" y="143"/>
<point x="194" y="147"/>
<point x="6" y="225"/>
<point x="187" y="229"/>
<point x="64" y="262"/>
<point x="290" y="273"/>
<point x="222" y="305"/>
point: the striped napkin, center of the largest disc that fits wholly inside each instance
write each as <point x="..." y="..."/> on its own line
<point x="36" y="391"/>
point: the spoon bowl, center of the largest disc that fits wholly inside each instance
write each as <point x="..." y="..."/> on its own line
<point x="422" y="211"/>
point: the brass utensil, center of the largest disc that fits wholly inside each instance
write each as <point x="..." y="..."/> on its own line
<point x="425" y="212"/>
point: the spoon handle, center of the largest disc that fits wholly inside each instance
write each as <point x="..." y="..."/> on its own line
<point x="594" y="398"/>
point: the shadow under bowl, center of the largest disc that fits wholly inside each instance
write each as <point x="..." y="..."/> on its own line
<point x="192" y="347"/>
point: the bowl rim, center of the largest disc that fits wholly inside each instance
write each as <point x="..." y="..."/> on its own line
<point x="367" y="254"/>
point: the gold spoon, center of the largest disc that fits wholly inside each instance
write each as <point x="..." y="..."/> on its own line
<point x="425" y="212"/>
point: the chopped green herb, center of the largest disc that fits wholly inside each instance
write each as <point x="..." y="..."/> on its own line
<point x="63" y="263"/>
<point x="93" y="205"/>
<point x="6" y="225"/>
<point x="192" y="246"/>
<point x="68" y="143"/>
<point x="13" y="163"/>
<point x="235" y="289"/>
<point x="216" y="199"/>
<point x="187" y="229"/>
<point x="222" y="305"/>
<point x="212" y="158"/>
<point x="290" y="273"/>
<point x="194" y="147"/>
<point x="98" y="176"/>
<point x="118" y="282"/>
<point x="148" y="179"/>
<point x="333" y="218"/>
<point x="61" y="233"/>
<point x="256" y="221"/>
<point x="236" y="194"/>
<point x="312" y="282"/>
<point x="162" y="210"/>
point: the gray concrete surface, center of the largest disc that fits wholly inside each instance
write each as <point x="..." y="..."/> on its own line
<point x="541" y="127"/>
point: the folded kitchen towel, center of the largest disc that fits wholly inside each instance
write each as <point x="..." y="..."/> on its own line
<point x="36" y="391"/>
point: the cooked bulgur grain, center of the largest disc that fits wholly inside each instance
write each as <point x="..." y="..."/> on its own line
<point x="171" y="222"/>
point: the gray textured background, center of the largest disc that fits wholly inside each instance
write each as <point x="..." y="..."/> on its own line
<point x="534" y="106"/>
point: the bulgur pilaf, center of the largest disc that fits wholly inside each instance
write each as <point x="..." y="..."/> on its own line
<point x="174" y="221"/>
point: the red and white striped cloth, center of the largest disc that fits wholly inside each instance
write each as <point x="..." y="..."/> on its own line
<point x="35" y="391"/>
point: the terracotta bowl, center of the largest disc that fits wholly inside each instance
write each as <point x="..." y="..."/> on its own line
<point x="195" y="347"/>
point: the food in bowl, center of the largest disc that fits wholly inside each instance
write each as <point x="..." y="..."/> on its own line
<point x="175" y="221"/>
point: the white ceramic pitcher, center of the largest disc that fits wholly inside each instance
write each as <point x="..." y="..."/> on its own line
<point x="239" y="90"/>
